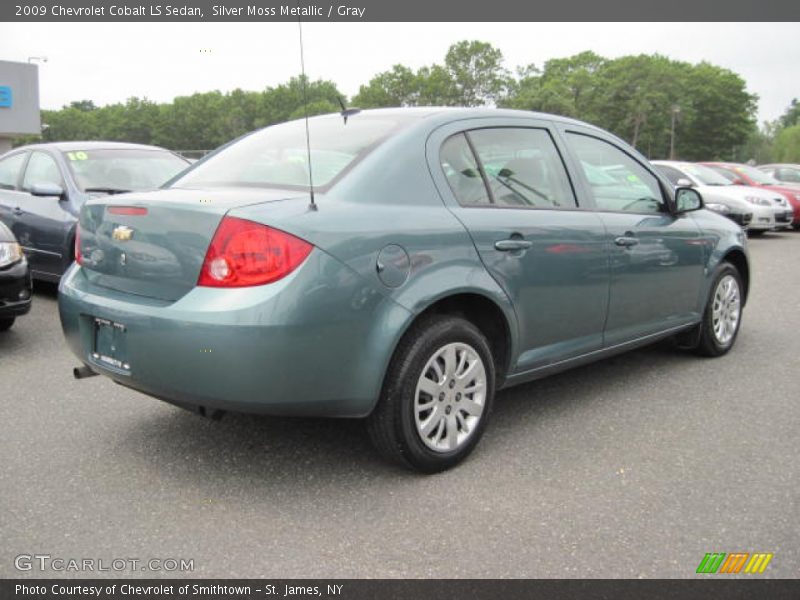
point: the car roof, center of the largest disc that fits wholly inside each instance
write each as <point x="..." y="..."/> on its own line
<point x="87" y="145"/>
<point x="727" y="165"/>
<point x="788" y="165"/>
<point x="449" y="113"/>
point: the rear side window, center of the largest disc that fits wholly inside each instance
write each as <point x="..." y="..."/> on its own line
<point x="523" y="168"/>
<point x="515" y="167"/>
<point x="617" y="181"/>
<point x="41" y="169"/>
<point x="9" y="171"/>
<point x="463" y="173"/>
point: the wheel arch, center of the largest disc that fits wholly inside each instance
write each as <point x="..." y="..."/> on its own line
<point x="739" y="260"/>
<point x="482" y="311"/>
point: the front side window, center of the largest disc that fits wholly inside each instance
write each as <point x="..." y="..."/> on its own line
<point x="523" y="168"/>
<point x="617" y="181"/>
<point x="9" y="171"/>
<point x="41" y="169"/>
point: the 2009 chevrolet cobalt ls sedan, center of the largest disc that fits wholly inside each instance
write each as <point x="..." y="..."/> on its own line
<point x="447" y="253"/>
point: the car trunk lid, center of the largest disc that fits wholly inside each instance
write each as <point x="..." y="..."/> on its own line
<point x="153" y="244"/>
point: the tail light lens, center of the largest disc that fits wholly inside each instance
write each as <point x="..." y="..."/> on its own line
<point x="244" y="253"/>
<point x="78" y="257"/>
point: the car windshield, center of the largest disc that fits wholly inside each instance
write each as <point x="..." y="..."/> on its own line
<point x="277" y="156"/>
<point x="121" y="170"/>
<point x="756" y="175"/>
<point x="705" y="175"/>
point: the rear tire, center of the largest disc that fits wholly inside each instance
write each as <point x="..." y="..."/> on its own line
<point x="5" y="324"/>
<point x="722" y="316"/>
<point x="437" y="396"/>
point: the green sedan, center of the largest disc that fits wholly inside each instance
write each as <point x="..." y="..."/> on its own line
<point x="401" y="267"/>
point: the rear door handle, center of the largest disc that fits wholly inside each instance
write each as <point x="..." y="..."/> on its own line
<point x="18" y="211"/>
<point x="626" y="241"/>
<point x="512" y="244"/>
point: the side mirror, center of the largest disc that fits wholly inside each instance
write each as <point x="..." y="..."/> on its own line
<point x="687" y="199"/>
<point x="683" y="182"/>
<point x="47" y="189"/>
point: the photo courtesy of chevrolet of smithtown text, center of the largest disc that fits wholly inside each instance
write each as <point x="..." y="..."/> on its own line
<point x="415" y="300"/>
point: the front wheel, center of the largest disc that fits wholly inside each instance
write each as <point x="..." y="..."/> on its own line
<point x="723" y="313"/>
<point x="437" y="396"/>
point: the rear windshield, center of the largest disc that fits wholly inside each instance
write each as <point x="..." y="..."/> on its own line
<point x="123" y="170"/>
<point x="277" y="156"/>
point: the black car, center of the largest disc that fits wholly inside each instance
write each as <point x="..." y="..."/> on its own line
<point x="15" y="280"/>
<point x="42" y="188"/>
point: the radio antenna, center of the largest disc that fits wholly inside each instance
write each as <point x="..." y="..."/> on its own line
<point x="313" y="204"/>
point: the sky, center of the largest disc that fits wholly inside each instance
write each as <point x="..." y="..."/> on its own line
<point x="109" y="62"/>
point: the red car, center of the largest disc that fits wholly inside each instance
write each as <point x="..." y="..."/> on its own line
<point x="747" y="175"/>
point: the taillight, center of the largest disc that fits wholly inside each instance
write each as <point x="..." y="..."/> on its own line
<point x="78" y="258"/>
<point x="244" y="253"/>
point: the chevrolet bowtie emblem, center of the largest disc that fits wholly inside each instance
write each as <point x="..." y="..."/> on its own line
<point x="122" y="233"/>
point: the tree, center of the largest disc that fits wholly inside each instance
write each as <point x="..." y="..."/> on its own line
<point x="722" y="113"/>
<point x="476" y="73"/>
<point x="792" y="115"/>
<point x="787" y="145"/>
<point x="565" y="86"/>
<point x="399" y="86"/>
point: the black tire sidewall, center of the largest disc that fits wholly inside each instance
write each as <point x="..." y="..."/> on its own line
<point x="429" y="340"/>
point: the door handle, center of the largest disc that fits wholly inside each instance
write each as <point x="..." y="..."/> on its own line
<point x="626" y="241"/>
<point x="18" y="211"/>
<point x="512" y="244"/>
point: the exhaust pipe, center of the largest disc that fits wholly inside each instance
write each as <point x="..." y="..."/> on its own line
<point x="83" y="372"/>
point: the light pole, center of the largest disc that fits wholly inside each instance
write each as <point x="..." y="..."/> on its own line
<point x="676" y="110"/>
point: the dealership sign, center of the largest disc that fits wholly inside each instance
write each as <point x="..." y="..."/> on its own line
<point x="5" y="96"/>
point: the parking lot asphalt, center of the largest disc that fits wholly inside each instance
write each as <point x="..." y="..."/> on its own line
<point x="632" y="467"/>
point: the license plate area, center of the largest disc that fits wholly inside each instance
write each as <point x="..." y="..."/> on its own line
<point x="110" y="345"/>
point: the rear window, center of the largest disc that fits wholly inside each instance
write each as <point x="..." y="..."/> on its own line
<point x="123" y="170"/>
<point x="277" y="156"/>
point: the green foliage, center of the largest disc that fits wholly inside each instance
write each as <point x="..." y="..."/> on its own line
<point x="198" y="122"/>
<point x="642" y="99"/>
<point x="472" y="75"/>
<point x="792" y="115"/>
<point x="787" y="145"/>
<point x="636" y="97"/>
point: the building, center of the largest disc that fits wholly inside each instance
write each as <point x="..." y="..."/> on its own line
<point x="19" y="101"/>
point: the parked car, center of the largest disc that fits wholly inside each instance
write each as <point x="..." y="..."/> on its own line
<point x="42" y="188"/>
<point x="785" y="173"/>
<point x="788" y="196"/>
<point x="444" y="254"/>
<point x="751" y="207"/>
<point x="15" y="280"/>
<point x="720" y="195"/>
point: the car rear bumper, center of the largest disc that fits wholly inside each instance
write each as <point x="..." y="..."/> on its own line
<point x="301" y="346"/>
<point x="15" y="290"/>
